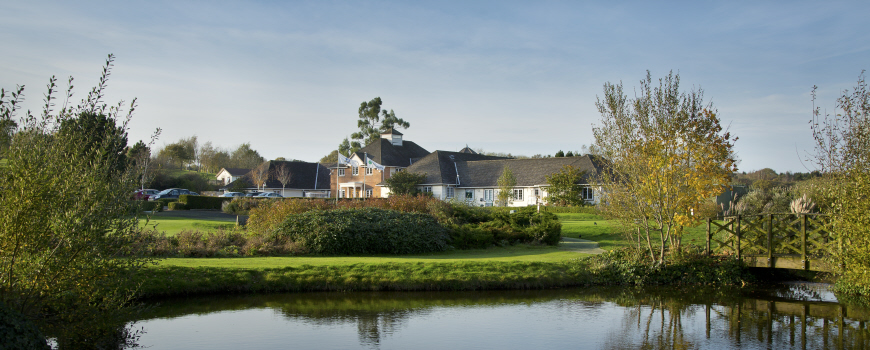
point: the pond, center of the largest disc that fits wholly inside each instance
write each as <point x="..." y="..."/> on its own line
<point x="788" y="316"/>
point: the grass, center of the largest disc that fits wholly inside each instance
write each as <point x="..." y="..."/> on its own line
<point x="179" y="172"/>
<point x="173" y="225"/>
<point x="606" y="233"/>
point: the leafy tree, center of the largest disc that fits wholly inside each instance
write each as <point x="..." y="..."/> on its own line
<point x="843" y="154"/>
<point x="66" y="220"/>
<point x="332" y="157"/>
<point x="563" y="189"/>
<point x="506" y="183"/>
<point x="404" y="182"/>
<point x="569" y="154"/>
<point x="370" y="114"/>
<point x="7" y="129"/>
<point x="245" y="157"/>
<point x="98" y="137"/>
<point x="559" y="154"/>
<point x="140" y="156"/>
<point x="664" y="155"/>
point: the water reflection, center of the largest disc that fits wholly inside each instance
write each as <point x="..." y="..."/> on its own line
<point x="797" y="316"/>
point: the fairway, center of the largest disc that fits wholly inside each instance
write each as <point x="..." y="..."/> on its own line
<point x="173" y="225"/>
<point x="607" y="234"/>
<point x="524" y="253"/>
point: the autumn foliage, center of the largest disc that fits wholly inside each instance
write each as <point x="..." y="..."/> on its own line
<point x="665" y="155"/>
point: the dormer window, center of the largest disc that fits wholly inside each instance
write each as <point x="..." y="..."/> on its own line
<point x="393" y="136"/>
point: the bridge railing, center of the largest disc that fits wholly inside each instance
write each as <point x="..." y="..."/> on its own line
<point x="797" y="240"/>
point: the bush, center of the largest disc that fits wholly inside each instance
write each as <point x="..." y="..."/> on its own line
<point x="362" y="231"/>
<point x="19" y="333"/>
<point x="526" y="225"/>
<point x="629" y="266"/>
<point x="177" y="206"/>
<point x="240" y="205"/>
<point x="202" y="202"/>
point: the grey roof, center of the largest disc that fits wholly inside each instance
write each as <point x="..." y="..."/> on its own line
<point x="237" y="171"/>
<point x="391" y="131"/>
<point x="304" y="176"/>
<point x="474" y="171"/>
<point x="384" y="152"/>
<point x="440" y="166"/>
<point x="467" y="150"/>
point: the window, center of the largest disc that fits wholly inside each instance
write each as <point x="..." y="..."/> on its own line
<point x="587" y="194"/>
<point x="340" y="172"/>
<point x="342" y="194"/>
<point x="427" y="189"/>
<point x="537" y="193"/>
<point x="368" y="193"/>
<point x="369" y="170"/>
<point x="450" y="192"/>
<point x="355" y="171"/>
<point x="394" y="170"/>
<point x="518" y="194"/>
<point x="469" y="194"/>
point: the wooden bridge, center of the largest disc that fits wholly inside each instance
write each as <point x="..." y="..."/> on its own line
<point x="787" y="241"/>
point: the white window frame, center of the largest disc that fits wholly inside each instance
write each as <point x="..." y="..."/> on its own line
<point x="342" y="194"/>
<point x="518" y="194"/>
<point x="469" y="195"/>
<point x="341" y="172"/>
<point x="354" y="171"/>
<point x="427" y="189"/>
<point x="587" y="194"/>
<point x="369" y="193"/>
<point x="450" y="192"/>
<point x="369" y="171"/>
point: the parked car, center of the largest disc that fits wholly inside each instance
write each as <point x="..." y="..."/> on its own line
<point x="268" y="195"/>
<point x="233" y="194"/>
<point x="252" y="194"/>
<point x="170" y="193"/>
<point x="144" y="195"/>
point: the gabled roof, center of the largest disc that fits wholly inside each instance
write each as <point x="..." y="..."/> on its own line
<point x="440" y="166"/>
<point x="467" y="150"/>
<point x="483" y="171"/>
<point x="307" y="176"/>
<point x="391" y="131"/>
<point x="384" y="152"/>
<point x="235" y="171"/>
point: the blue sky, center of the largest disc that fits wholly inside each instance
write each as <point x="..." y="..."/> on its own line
<point x="517" y="77"/>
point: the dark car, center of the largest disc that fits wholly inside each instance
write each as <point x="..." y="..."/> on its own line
<point x="170" y="193"/>
<point x="144" y="195"/>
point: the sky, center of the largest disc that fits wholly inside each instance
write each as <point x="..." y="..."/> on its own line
<point x="502" y="76"/>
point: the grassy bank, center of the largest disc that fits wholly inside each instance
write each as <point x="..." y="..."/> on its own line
<point x="436" y="275"/>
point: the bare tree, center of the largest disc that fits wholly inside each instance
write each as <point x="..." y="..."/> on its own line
<point x="284" y="175"/>
<point x="260" y="175"/>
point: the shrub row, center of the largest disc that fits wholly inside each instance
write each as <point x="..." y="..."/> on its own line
<point x="362" y="231"/>
<point x="202" y="202"/>
<point x="475" y="229"/>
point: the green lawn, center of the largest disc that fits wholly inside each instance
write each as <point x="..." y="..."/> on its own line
<point x="179" y="172"/>
<point x="606" y="233"/>
<point x="173" y="225"/>
<point x="523" y="253"/>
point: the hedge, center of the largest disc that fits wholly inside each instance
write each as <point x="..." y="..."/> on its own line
<point x="362" y="231"/>
<point x="202" y="202"/>
<point x="177" y="206"/>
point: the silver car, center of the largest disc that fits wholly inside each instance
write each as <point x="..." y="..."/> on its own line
<point x="233" y="194"/>
<point x="268" y="195"/>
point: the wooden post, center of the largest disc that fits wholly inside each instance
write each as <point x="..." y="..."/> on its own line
<point x="708" y="237"/>
<point x="770" y="240"/>
<point x="804" y="261"/>
<point x="737" y="233"/>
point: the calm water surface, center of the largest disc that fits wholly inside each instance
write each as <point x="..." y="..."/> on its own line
<point x="794" y="316"/>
